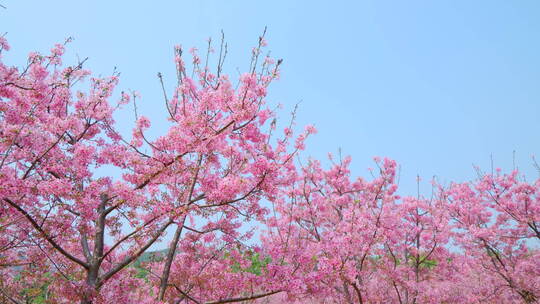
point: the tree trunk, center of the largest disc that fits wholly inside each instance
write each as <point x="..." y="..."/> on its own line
<point x="168" y="262"/>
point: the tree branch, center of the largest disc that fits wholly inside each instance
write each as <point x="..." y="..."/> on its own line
<point x="45" y="235"/>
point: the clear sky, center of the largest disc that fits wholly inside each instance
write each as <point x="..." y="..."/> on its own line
<point x="436" y="85"/>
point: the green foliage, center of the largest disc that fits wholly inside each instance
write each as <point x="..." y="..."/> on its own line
<point x="36" y="294"/>
<point x="411" y="261"/>
<point x="429" y="264"/>
<point x="424" y="262"/>
<point x="142" y="273"/>
<point x="258" y="263"/>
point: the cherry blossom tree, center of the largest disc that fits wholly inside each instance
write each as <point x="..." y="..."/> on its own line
<point x="333" y="229"/>
<point x="78" y="231"/>
<point x="497" y="221"/>
<point x="345" y="240"/>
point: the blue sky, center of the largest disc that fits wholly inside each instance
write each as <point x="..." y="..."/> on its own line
<point x="436" y="85"/>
